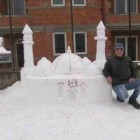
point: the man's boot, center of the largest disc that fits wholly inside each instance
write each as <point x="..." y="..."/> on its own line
<point x="134" y="103"/>
<point x="120" y="100"/>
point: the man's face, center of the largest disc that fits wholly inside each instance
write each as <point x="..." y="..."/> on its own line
<point x="119" y="52"/>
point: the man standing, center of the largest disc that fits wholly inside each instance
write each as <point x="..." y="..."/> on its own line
<point x="119" y="71"/>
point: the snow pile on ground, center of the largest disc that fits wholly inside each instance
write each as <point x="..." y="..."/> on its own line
<point x="23" y="117"/>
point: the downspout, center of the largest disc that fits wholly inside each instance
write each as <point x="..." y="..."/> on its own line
<point x="129" y="18"/>
<point x="72" y="29"/>
<point x="11" y="36"/>
<point x="103" y="11"/>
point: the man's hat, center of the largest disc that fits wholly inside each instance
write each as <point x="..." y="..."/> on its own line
<point x="119" y="46"/>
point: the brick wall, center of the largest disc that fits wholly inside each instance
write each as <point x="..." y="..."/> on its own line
<point x="45" y="20"/>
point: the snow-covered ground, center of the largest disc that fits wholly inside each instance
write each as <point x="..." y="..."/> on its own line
<point x="25" y="118"/>
<point x="26" y="112"/>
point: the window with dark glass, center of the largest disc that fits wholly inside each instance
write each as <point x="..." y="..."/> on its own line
<point x="79" y="2"/>
<point x="122" y="6"/>
<point x="133" y="6"/>
<point x="59" y="43"/>
<point x="57" y="2"/>
<point x="80" y="42"/>
<point x="17" y="7"/>
<point x="130" y="45"/>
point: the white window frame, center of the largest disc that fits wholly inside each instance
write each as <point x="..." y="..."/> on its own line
<point x="65" y="39"/>
<point x="57" y="5"/>
<point x="126" y="44"/>
<point x="84" y="4"/>
<point x="126" y="8"/>
<point x="85" y="42"/>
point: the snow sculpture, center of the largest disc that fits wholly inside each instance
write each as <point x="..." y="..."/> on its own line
<point x="69" y="68"/>
<point x="86" y="62"/>
<point x="68" y="63"/>
<point x="100" y="53"/>
<point x="2" y="49"/>
<point x="4" y="54"/>
<point x="103" y="89"/>
<point x="95" y="69"/>
<point x="1" y="41"/>
<point x="43" y="68"/>
<point x="28" y="52"/>
<point x="73" y="79"/>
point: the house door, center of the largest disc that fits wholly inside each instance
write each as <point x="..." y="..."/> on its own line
<point x="20" y="53"/>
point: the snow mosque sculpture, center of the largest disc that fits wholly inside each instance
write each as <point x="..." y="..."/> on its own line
<point x="69" y="78"/>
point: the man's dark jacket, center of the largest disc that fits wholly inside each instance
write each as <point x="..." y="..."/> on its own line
<point x="120" y="69"/>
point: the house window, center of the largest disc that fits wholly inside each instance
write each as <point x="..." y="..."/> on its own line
<point x="79" y="2"/>
<point x="17" y="7"/>
<point x="59" y="43"/>
<point x="80" y="42"/>
<point x="122" y="6"/>
<point x="58" y="2"/>
<point x="131" y="47"/>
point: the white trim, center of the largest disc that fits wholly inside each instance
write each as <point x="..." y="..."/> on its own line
<point x="126" y="44"/>
<point x="57" y="5"/>
<point x="84" y="4"/>
<point x="65" y="39"/>
<point x="85" y="33"/>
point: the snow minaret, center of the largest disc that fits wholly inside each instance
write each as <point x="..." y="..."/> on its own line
<point x="69" y="49"/>
<point x="28" y="47"/>
<point x="101" y="38"/>
<point x="28" y="52"/>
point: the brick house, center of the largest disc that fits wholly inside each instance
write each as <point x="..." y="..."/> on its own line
<point x="57" y="24"/>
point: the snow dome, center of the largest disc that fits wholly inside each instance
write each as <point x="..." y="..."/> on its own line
<point x="43" y="68"/>
<point x="68" y="63"/>
<point x="86" y="62"/>
<point x="94" y="70"/>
